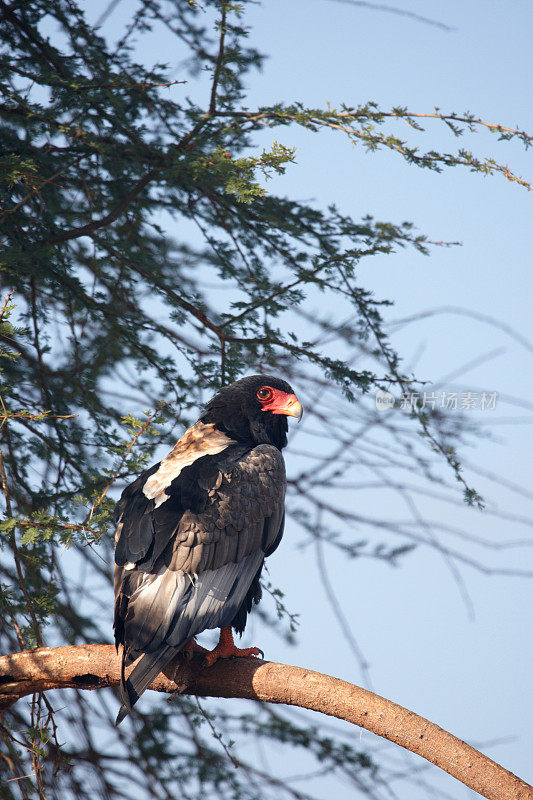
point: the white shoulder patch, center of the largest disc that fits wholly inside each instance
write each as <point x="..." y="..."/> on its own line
<point x="200" y="440"/>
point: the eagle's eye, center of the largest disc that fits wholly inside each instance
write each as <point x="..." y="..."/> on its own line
<point x="264" y="393"/>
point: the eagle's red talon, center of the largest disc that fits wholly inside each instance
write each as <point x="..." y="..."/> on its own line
<point x="226" y="649"/>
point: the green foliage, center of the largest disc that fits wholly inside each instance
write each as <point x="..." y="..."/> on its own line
<point x="237" y="176"/>
<point x="99" y="153"/>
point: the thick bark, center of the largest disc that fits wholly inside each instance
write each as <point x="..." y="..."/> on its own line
<point x="95" y="666"/>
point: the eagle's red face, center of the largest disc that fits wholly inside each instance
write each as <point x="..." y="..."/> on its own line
<point x="237" y="410"/>
<point x="278" y="402"/>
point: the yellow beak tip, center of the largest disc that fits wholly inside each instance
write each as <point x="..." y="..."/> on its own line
<point x="297" y="412"/>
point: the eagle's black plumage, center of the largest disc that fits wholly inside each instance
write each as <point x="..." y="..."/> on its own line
<point x="193" y="531"/>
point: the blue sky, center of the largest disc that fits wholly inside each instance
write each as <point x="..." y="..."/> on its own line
<point x="469" y="676"/>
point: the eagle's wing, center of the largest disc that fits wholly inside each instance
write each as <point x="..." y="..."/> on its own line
<point x="192" y="561"/>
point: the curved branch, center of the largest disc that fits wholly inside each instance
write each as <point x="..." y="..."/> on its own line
<point x="96" y="666"/>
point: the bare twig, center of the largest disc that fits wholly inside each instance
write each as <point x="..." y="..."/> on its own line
<point x="219" y="62"/>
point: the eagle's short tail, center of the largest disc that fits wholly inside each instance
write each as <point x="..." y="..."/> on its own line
<point x="142" y="676"/>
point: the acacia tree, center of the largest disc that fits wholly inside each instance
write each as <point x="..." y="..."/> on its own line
<point x="114" y="317"/>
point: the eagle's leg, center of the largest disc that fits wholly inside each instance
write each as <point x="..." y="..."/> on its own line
<point x="191" y="647"/>
<point x="226" y="648"/>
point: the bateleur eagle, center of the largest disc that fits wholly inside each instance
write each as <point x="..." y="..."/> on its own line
<point x="194" y="530"/>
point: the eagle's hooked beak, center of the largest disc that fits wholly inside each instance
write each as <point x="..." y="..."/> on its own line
<point x="294" y="407"/>
<point x="290" y="406"/>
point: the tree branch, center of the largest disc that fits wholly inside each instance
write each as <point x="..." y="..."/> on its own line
<point x="107" y="219"/>
<point x="97" y="666"/>
<point x="219" y="63"/>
